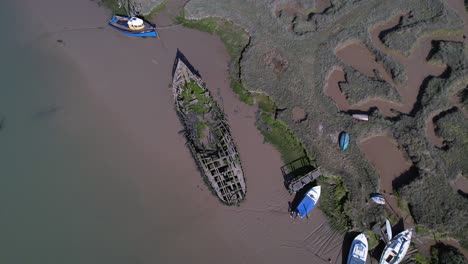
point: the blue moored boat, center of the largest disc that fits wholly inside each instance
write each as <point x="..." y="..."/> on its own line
<point x="308" y="202"/>
<point x="133" y="26"/>
<point x="358" y="251"/>
<point x="343" y="140"/>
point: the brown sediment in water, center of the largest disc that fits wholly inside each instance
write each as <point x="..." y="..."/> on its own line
<point x="175" y="218"/>
<point x="387" y="159"/>
<point x="355" y="54"/>
<point x="416" y="66"/>
<point x="332" y="89"/>
<point x="431" y="135"/>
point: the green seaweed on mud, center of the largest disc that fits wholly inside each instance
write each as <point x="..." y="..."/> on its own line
<point x="265" y="103"/>
<point x="281" y="137"/>
<point x="332" y="201"/>
<point x="244" y="95"/>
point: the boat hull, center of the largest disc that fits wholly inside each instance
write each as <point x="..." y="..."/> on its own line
<point x="207" y="132"/>
<point x="343" y="140"/>
<point x="309" y="201"/>
<point x="116" y="22"/>
<point x="358" y="250"/>
<point x="396" y="249"/>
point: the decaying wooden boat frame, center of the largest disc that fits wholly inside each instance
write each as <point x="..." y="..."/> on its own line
<point x="216" y="156"/>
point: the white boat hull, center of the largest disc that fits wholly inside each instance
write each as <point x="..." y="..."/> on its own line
<point x="358" y="250"/>
<point x="396" y="249"/>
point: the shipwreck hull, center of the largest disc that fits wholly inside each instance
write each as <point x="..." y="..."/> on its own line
<point x="207" y="132"/>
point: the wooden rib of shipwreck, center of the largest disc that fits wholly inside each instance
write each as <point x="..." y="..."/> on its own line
<point x="207" y="133"/>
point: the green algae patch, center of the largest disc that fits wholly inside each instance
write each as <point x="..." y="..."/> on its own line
<point x="332" y="201"/>
<point x="281" y="137"/>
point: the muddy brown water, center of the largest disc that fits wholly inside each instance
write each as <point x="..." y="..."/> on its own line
<point x="391" y="165"/>
<point x="387" y="159"/>
<point x="332" y="89"/>
<point x="357" y="55"/>
<point x="416" y="68"/>
<point x="129" y="113"/>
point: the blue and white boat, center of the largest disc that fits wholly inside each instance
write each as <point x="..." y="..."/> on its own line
<point x="377" y="198"/>
<point x="343" y="140"/>
<point x="396" y="249"/>
<point x="308" y="202"/>
<point x="358" y="251"/>
<point x="133" y="26"/>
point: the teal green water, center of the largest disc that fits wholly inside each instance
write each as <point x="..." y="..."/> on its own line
<point x="63" y="198"/>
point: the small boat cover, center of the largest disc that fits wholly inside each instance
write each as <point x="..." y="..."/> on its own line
<point x="358" y="251"/>
<point x="309" y="201"/>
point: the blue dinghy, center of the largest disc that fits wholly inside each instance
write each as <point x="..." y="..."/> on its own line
<point x="133" y="26"/>
<point x="343" y="140"/>
<point x="309" y="201"/>
<point x="358" y="251"/>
